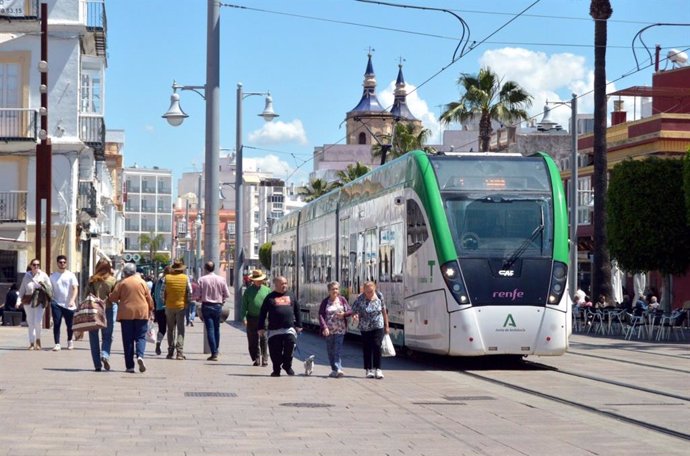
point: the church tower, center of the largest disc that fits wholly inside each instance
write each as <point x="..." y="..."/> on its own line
<point x="368" y="117"/>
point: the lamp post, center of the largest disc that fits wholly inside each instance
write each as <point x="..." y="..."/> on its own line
<point x="175" y="116"/>
<point x="268" y="114"/>
<point x="572" y="276"/>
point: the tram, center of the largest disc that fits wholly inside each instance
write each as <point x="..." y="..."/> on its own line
<point x="469" y="250"/>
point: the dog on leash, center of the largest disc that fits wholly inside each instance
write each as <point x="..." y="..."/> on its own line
<point x="309" y="365"/>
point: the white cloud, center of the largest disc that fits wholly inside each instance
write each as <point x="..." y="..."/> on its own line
<point x="552" y="77"/>
<point x="269" y="164"/>
<point x="418" y="107"/>
<point x="279" y="132"/>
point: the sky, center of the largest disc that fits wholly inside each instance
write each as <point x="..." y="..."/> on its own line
<point x="311" y="55"/>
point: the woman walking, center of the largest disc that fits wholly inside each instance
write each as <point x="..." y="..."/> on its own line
<point x="372" y="314"/>
<point x="35" y="293"/>
<point x="133" y="312"/>
<point x="333" y="315"/>
<point x="101" y="284"/>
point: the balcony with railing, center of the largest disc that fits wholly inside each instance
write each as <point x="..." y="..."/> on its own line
<point x="92" y="133"/>
<point x="18" y="124"/>
<point x="20" y="10"/>
<point x="86" y="199"/>
<point x="12" y="207"/>
<point x="95" y="41"/>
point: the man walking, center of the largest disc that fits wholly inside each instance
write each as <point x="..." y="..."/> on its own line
<point x="284" y="322"/>
<point x="252" y="299"/>
<point x="212" y="293"/>
<point x="63" y="305"/>
<point x="177" y="292"/>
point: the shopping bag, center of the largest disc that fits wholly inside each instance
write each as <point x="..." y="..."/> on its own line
<point x="90" y="315"/>
<point x="387" y="348"/>
<point x="151" y="332"/>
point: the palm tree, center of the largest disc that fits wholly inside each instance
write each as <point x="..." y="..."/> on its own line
<point x="601" y="11"/>
<point x="351" y="173"/>
<point x="315" y="188"/>
<point x="152" y="242"/>
<point x="406" y="137"/>
<point x="489" y="97"/>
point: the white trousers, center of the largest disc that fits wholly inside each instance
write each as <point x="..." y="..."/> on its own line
<point x="34" y="318"/>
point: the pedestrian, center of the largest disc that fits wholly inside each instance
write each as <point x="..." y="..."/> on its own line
<point x="212" y="293"/>
<point x="135" y="308"/>
<point x="190" y="314"/>
<point x="101" y="284"/>
<point x="284" y="323"/>
<point x="177" y="292"/>
<point x="64" y="303"/>
<point x="10" y="302"/>
<point x="370" y="310"/>
<point x="333" y="315"/>
<point x="252" y="300"/>
<point x="35" y="293"/>
<point x="159" y="314"/>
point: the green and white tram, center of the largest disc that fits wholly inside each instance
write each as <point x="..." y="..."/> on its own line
<point x="469" y="250"/>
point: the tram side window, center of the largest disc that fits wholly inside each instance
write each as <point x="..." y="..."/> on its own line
<point x="417" y="231"/>
<point x="390" y="253"/>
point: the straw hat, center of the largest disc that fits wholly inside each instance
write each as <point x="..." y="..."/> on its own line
<point x="178" y="266"/>
<point x="257" y="275"/>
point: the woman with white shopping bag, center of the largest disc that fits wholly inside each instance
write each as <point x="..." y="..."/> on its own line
<point x="370" y="310"/>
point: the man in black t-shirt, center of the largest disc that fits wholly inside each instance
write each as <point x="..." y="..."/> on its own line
<point x="284" y="322"/>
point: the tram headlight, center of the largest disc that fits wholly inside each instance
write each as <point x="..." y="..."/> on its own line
<point x="559" y="276"/>
<point x="453" y="278"/>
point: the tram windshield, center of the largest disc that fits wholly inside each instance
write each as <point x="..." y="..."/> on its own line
<point x="497" y="207"/>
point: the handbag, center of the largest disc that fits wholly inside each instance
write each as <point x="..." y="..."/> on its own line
<point x="387" y="348"/>
<point x="90" y="315"/>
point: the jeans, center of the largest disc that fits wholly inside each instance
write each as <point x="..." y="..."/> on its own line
<point x="211" y="314"/>
<point x="334" y="345"/>
<point x="34" y="320"/>
<point x="58" y="314"/>
<point x="258" y="346"/>
<point x="133" y="339"/>
<point x="281" y="347"/>
<point x="159" y="318"/>
<point x="175" y="323"/>
<point x="99" y="351"/>
<point x="371" y="348"/>
<point x="191" y="312"/>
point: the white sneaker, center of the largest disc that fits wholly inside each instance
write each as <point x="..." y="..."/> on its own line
<point x="70" y="345"/>
<point x="142" y="366"/>
<point x="333" y="374"/>
<point x="379" y="373"/>
<point x="340" y="374"/>
<point x="370" y="373"/>
<point x="57" y="348"/>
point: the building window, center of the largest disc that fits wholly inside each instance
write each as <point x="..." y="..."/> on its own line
<point x="362" y="138"/>
<point x="91" y="91"/>
<point x="8" y="266"/>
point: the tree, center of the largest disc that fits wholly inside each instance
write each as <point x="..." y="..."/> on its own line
<point x="405" y="138"/>
<point x="639" y="238"/>
<point x="152" y="242"/>
<point x="315" y="188"/>
<point x="265" y="255"/>
<point x="601" y="11"/>
<point x="351" y="173"/>
<point x="487" y="96"/>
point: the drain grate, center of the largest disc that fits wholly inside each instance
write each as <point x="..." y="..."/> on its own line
<point x="208" y="394"/>
<point x="306" y="404"/>
<point x="469" y="398"/>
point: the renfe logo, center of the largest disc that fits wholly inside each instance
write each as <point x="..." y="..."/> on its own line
<point x="512" y="295"/>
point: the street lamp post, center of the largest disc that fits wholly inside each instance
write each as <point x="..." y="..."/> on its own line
<point x="175" y="116"/>
<point x="268" y="114"/>
<point x="572" y="190"/>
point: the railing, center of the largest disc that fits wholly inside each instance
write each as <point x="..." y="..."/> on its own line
<point x="18" y="124"/>
<point x="96" y="18"/>
<point x="13" y="206"/>
<point x="92" y="133"/>
<point x="86" y="199"/>
<point x="19" y="9"/>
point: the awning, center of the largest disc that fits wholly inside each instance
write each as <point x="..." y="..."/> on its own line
<point x="251" y="179"/>
<point x="13" y="244"/>
<point x="5" y="37"/>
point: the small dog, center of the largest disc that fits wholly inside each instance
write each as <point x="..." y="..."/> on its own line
<point x="309" y="365"/>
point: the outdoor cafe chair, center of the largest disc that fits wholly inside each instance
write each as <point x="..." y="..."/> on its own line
<point x="671" y="325"/>
<point x="635" y="322"/>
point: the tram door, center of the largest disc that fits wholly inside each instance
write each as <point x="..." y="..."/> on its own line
<point x="366" y="260"/>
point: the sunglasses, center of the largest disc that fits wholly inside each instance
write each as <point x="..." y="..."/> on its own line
<point x="35" y="265"/>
